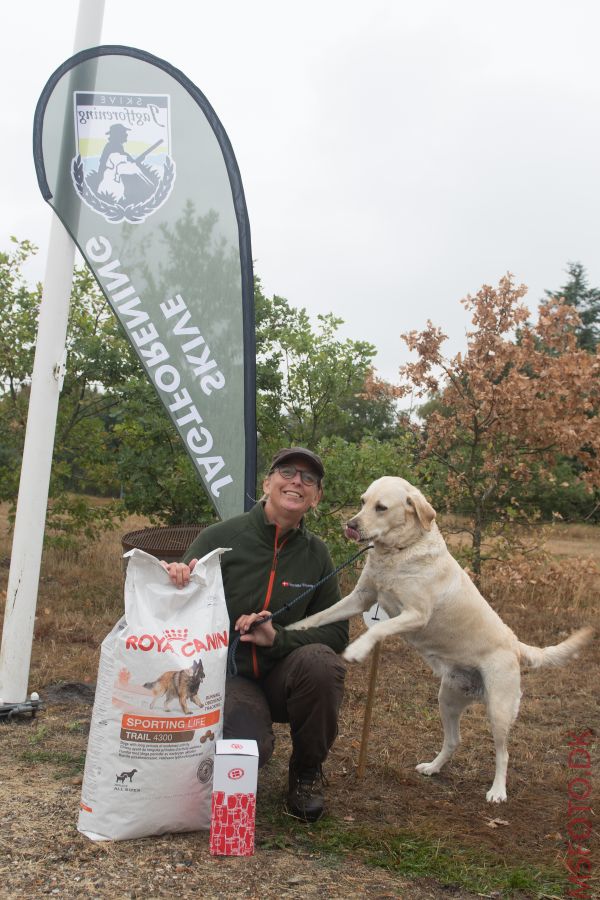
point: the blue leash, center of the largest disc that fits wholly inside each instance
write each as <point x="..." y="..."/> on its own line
<point x="231" y="665"/>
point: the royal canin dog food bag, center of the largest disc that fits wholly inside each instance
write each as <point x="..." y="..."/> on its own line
<point x="158" y="710"/>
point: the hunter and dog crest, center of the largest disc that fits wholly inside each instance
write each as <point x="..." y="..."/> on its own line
<point x="123" y="169"/>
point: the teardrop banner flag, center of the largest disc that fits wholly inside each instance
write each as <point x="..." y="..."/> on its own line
<point x="134" y="161"/>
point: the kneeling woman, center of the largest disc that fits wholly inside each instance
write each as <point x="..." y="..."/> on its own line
<point x="283" y="676"/>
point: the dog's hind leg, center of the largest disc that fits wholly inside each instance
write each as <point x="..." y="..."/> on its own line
<point x="503" y="694"/>
<point x="452" y="701"/>
<point x="169" y="694"/>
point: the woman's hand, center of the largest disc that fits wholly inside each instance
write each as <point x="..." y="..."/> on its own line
<point x="179" y="573"/>
<point x="261" y="635"/>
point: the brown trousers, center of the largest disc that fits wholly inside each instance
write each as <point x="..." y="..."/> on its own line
<point x="304" y="689"/>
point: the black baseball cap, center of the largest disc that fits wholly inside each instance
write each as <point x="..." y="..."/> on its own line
<point x="290" y="452"/>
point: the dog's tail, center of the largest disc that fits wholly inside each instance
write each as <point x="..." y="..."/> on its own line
<point x="559" y="654"/>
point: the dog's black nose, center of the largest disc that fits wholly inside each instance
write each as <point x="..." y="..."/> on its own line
<point x="351" y="524"/>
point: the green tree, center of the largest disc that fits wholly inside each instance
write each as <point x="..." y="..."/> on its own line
<point x="19" y="306"/>
<point x="99" y="362"/>
<point x="586" y="300"/>
<point x="157" y="476"/>
<point x="113" y="435"/>
<point x="311" y="383"/>
<point x="296" y="405"/>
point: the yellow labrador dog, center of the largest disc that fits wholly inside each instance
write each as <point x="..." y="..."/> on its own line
<point x="435" y="606"/>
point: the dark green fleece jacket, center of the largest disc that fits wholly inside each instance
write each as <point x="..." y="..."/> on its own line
<point x="260" y="559"/>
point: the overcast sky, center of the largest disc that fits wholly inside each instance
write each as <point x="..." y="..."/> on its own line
<point x="394" y="155"/>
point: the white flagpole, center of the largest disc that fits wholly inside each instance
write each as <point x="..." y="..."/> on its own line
<point x="46" y="383"/>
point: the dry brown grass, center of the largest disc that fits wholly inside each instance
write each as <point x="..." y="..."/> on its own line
<point x="81" y="598"/>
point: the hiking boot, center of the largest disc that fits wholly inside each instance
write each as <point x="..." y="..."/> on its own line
<point x="305" y="799"/>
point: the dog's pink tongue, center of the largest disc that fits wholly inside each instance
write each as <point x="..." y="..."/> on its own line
<point x="351" y="533"/>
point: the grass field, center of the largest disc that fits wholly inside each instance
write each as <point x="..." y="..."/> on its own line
<point x="392" y="833"/>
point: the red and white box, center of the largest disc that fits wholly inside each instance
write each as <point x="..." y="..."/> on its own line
<point x="234" y="798"/>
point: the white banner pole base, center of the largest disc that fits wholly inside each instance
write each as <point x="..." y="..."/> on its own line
<point x="46" y="381"/>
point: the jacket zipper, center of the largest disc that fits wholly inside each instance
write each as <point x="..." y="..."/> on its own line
<point x="277" y="550"/>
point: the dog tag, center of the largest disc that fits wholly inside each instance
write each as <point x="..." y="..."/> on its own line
<point x="374" y="615"/>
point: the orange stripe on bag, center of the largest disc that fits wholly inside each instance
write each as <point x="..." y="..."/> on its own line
<point x="160" y="723"/>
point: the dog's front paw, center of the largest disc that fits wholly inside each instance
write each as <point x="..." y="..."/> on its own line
<point x="297" y="626"/>
<point x="428" y="768"/>
<point x="358" y="650"/>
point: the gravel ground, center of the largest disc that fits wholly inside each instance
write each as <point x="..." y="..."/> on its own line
<point x="42" y="854"/>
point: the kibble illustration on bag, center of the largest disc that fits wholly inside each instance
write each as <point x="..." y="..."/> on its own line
<point x="159" y="705"/>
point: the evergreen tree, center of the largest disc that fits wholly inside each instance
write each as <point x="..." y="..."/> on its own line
<point x="586" y="301"/>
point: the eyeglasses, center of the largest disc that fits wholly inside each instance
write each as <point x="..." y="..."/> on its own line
<point x="288" y="473"/>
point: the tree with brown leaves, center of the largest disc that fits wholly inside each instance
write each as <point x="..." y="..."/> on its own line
<point x="506" y="407"/>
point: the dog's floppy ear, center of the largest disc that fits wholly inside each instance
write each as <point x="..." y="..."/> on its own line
<point x="424" y="510"/>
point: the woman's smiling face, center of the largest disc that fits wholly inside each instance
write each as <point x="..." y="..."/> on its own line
<point x="288" y="499"/>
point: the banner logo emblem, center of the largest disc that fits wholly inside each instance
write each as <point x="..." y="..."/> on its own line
<point x="123" y="169"/>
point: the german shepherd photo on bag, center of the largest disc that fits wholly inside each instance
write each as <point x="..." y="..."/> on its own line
<point x="182" y="683"/>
